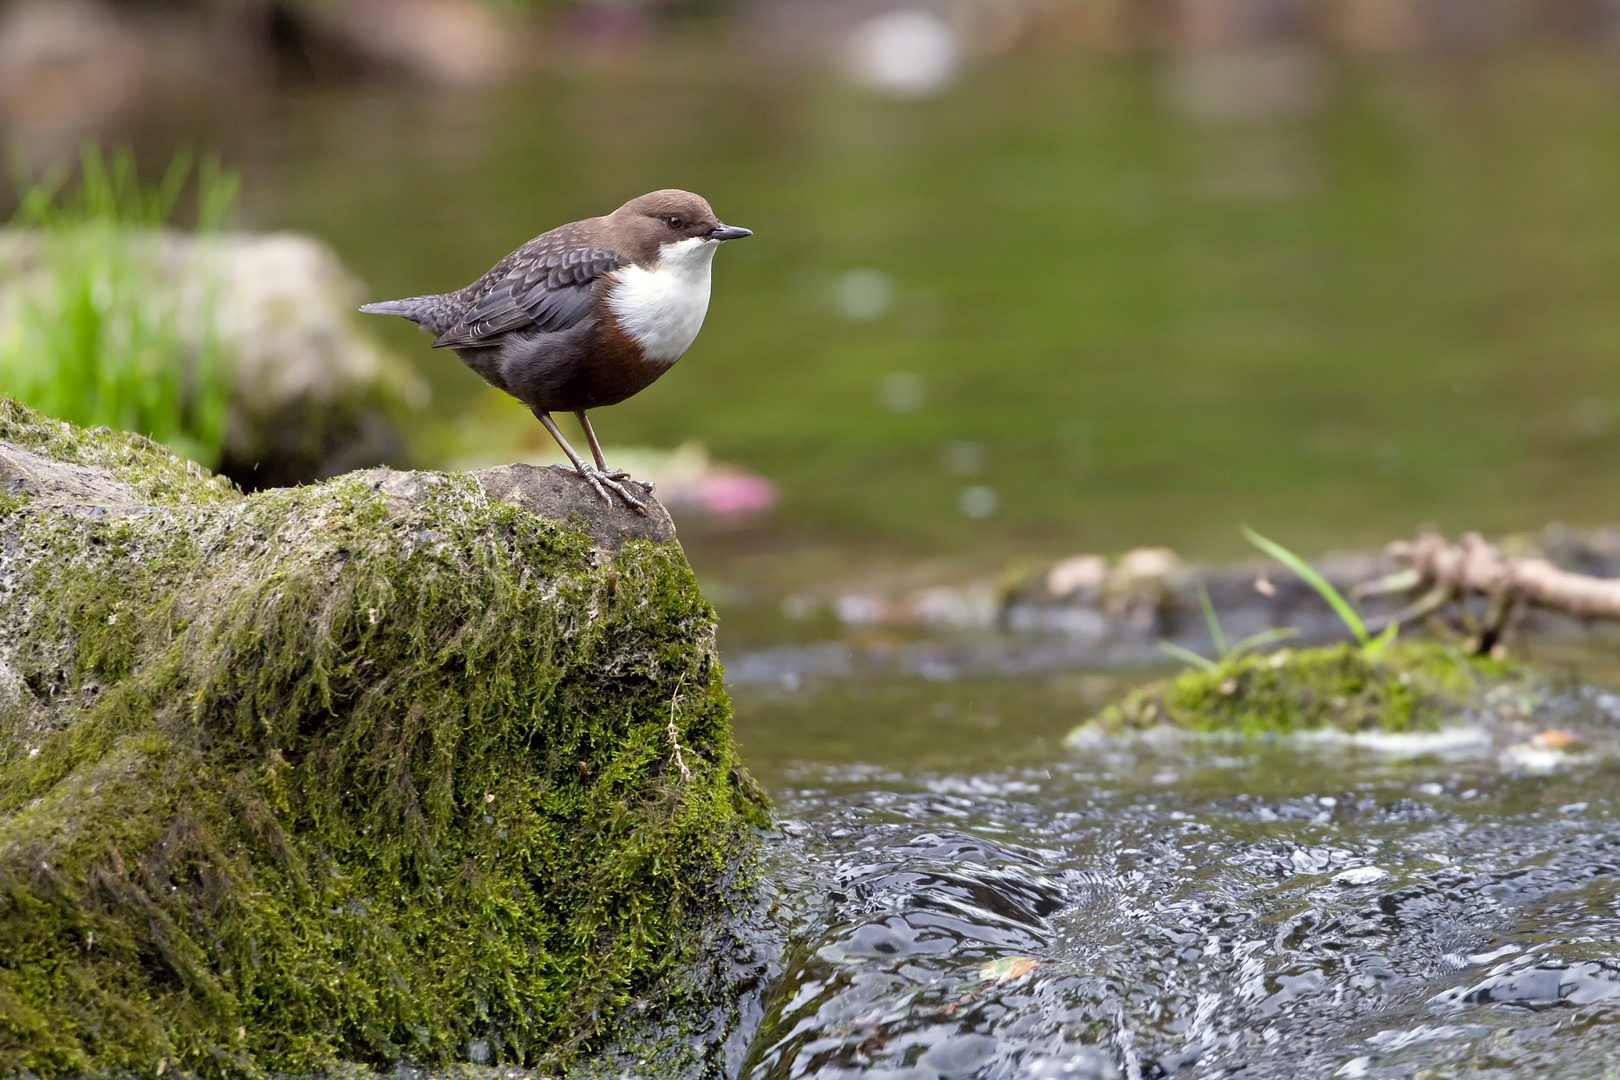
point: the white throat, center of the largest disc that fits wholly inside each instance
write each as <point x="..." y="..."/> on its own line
<point x="662" y="309"/>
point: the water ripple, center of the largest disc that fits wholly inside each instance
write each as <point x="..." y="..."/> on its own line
<point x="1174" y="931"/>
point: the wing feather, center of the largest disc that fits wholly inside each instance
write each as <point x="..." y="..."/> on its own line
<point x="547" y="285"/>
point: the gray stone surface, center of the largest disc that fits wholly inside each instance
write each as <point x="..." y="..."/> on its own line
<point x="555" y="491"/>
<point x="552" y="491"/>
<point x="57" y="481"/>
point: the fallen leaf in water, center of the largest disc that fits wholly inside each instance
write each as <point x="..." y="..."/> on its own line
<point x="1554" y="739"/>
<point x="1008" y="968"/>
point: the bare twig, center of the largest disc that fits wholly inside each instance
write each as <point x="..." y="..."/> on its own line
<point x="675" y="733"/>
<point x="1445" y="572"/>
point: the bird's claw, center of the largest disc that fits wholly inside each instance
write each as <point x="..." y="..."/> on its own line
<point x="604" y="482"/>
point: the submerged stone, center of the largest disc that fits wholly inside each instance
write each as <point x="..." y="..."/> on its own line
<point x="392" y="768"/>
<point x="1404" y="687"/>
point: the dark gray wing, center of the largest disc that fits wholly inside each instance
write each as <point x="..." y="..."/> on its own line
<point x="546" y="285"/>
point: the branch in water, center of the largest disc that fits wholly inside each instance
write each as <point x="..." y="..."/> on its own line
<point x="1441" y="572"/>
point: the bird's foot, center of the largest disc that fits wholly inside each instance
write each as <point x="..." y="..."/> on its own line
<point x="619" y="474"/>
<point x="605" y="482"/>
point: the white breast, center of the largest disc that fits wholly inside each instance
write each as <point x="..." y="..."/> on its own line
<point x="663" y="308"/>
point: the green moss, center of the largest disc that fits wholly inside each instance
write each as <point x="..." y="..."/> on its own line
<point x="1405" y="687"/>
<point x="298" y="780"/>
<point x="156" y="474"/>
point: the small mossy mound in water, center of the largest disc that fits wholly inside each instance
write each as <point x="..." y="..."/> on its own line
<point x="1402" y="687"/>
<point x="332" y="774"/>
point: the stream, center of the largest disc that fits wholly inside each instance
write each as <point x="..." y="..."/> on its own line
<point x="968" y="898"/>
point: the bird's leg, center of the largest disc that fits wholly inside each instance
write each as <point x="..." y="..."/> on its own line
<point x="596" y="449"/>
<point x="610" y="476"/>
<point x="580" y="467"/>
<point x="600" y="480"/>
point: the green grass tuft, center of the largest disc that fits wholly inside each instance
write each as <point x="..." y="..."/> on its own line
<point x="97" y="342"/>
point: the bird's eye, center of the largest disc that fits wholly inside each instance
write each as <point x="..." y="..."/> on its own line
<point x="674" y="222"/>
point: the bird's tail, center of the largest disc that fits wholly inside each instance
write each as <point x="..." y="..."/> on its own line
<point x="409" y="307"/>
<point x="429" y="312"/>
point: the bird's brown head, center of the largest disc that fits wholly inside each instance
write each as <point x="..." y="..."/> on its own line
<point x="645" y="224"/>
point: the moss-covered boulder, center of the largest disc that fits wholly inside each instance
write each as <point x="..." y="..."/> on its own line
<point x="390" y="768"/>
<point x="1411" y="686"/>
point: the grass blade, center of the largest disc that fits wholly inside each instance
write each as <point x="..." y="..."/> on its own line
<point x="1188" y="656"/>
<point x="218" y="191"/>
<point x="1264" y="637"/>
<point x="1377" y="645"/>
<point x="1316" y="581"/>
<point x="1213" y="621"/>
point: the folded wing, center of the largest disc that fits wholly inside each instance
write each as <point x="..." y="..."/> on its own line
<point x="546" y="285"/>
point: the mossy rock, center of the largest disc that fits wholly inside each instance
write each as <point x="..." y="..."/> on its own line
<point x="370" y="771"/>
<point x="1410" y="686"/>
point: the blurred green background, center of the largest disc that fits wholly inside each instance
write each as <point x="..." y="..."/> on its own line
<point x="1076" y="294"/>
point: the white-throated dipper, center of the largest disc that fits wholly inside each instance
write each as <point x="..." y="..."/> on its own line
<point x="585" y="315"/>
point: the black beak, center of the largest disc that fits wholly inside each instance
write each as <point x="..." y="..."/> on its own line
<point x="729" y="232"/>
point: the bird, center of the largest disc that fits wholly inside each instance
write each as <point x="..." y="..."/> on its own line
<point x="586" y="315"/>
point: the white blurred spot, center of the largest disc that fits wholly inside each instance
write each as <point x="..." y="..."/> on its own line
<point x="1140" y="564"/>
<point x="942" y="605"/>
<point x="1536" y="759"/>
<point x="858" y="610"/>
<point x="978" y="501"/>
<point x="905" y="53"/>
<point x="1076" y="573"/>
<point x="1360" y="875"/>
<point x="1453" y="742"/>
<point x="963" y="458"/>
<point x="797" y="607"/>
<point x="900" y="392"/>
<point x="863" y="295"/>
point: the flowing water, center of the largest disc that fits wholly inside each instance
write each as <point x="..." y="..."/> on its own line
<point x="1197" y="910"/>
<point x="1053" y="310"/>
